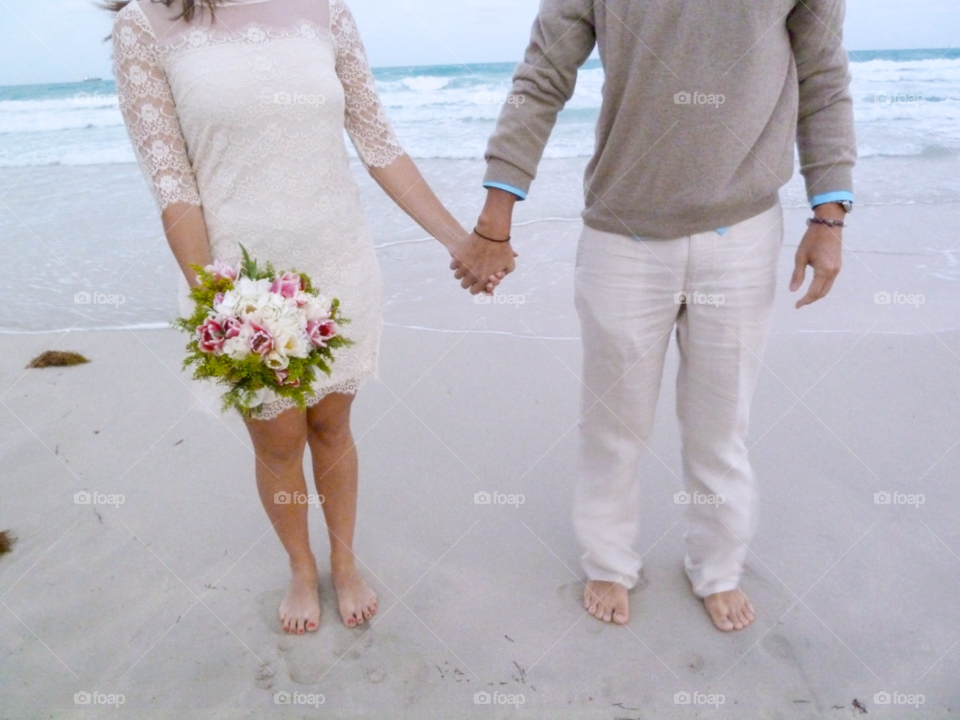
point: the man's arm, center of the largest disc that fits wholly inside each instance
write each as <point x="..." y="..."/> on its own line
<point x="825" y="137"/>
<point x="562" y="38"/>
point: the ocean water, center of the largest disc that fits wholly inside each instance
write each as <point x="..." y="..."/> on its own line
<point x="907" y="103"/>
<point x="85" y="249"/>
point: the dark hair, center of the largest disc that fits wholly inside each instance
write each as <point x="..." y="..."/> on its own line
<point x="189" y="6"/>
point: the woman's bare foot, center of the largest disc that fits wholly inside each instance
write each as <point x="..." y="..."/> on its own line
<point x="300" y="607"/>
<point x="357" y="600"/>
<point x="729" y="610"/>
<point x="607" y="601"/>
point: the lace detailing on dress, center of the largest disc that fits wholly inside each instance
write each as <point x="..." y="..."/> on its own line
<point x="270" y="410"/>
<point x="149" y="111"/>
<point x="260" y="96"/>
<point x="366" y="122"/>
<point x="252" y="35"/>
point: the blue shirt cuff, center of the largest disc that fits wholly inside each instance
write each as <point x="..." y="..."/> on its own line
<point x="839" y="196"/>
<point x="509" y="188"/>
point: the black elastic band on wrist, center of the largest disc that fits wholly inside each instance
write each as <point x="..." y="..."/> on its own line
<point x="480" y="234"/>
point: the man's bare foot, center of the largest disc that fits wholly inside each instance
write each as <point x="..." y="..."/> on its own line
<point x="729" y="610"/>
<point x="607" y="601"/>
<point x="357" y="600"/>
<point x="300" y="607"/>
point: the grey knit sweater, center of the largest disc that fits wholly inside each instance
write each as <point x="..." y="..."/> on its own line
<point x="703" y="101"/>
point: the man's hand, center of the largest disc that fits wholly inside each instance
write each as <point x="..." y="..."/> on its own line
<point x="480" y="264"/>
<point x="820" y="248"/>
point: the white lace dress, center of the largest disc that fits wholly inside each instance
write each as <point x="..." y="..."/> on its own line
<point x="244" y="114"/>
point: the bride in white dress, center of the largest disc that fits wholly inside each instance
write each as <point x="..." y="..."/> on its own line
<point x="236" y="110"/>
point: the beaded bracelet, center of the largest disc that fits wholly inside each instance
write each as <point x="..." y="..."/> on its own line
<point x="829" y="223"/>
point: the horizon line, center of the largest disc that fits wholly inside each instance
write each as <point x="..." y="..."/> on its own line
<point x="488" y="62"/>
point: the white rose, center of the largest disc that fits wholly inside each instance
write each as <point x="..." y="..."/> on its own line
<point x="228" y="305"/>
<point x="236" y="348"/>
<point x="270" y="305"/>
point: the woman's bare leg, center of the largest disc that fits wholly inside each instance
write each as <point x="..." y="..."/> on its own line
<point x="335" y="472"/>
<point x="279" y="445"/>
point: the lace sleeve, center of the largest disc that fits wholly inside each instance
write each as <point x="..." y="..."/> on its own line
<point x="147" y="106"/>
<point x="366" y="121"/>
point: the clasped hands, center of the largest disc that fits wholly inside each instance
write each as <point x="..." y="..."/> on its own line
<point x="481" y="264"/>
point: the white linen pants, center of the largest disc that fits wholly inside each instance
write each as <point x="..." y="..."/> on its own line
<point x="717" y="291"/>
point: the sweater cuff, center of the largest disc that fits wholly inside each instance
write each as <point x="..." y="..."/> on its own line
<point x="500" y="173"/>
<point x="839" y="196"/>
<point x="838" y="178"/>
<point x="521" y="195"/>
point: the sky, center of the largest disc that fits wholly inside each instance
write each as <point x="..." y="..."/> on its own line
<point x="43" y="41"/>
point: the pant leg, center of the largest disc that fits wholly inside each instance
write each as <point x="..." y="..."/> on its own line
<point x="625" y="292"/>
<point x="722" y="334"/>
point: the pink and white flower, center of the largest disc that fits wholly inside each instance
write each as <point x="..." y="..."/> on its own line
<point x="222" y="270"/>
<point x="321" y="332"/>
<point x="287" y="285"/>
<point x="282" y="376"/>
<point x="211" y="336"/>
<point x="259" y="341"/>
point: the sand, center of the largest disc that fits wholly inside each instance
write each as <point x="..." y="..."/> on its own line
<point x="169" y="598"/>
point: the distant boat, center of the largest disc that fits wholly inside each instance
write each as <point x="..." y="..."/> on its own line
<point x="92" y="79"/>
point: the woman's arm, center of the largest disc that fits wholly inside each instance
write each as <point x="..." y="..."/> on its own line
<point x="402" y="181"/>
<point x="378" y="148"/>
<point x="148" y="109"/>
<point x="186" y="232"/>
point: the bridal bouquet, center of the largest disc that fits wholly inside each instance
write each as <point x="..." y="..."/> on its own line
<point x="255" y="329"/>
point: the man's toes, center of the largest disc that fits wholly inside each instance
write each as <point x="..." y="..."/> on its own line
<point x="620" y="617"/>
<point x="720" y="618"/>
